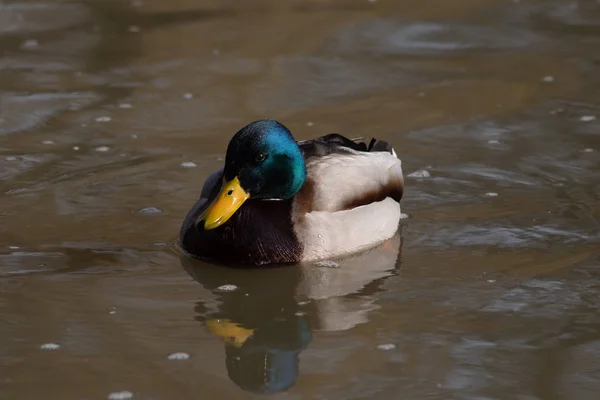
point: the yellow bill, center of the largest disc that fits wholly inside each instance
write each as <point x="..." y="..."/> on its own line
<point x="229" y="331"/>
<point x="230" y="199"/>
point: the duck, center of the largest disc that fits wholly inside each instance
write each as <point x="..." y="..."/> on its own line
<point x="281" y="201"/>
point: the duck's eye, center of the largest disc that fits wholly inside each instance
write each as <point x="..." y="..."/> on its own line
<point x="260" y="158"/>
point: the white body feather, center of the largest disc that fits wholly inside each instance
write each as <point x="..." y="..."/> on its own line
<point x="327" y="230"/>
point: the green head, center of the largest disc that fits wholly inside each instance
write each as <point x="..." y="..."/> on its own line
<point x="267" y="161"/>
<point x="262" y="162"/>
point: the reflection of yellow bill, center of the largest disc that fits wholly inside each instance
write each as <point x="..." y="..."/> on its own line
<point x="230" y="198"/>
<point x="229" y="331"/>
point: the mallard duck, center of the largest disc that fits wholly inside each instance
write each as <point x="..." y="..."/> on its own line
<point x="278" y="200"/>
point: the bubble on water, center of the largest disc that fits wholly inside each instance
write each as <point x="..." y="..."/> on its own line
<point x="50" y="346"/>
<point x="47" y="141"/>
<point x="327" y="264"/>
<point x="13" y="247"/>
<point x="104" y="118"/>
<point x="309" y="124"/>
<point x="134" y="29"/>
<point x="76" y="148"/>
<point x="587" y="118"/>
<point x="227" y="288"/>
<point x="491" y="194"/>
<point x="302" y="303"/>
<point x="149" y="210"/>
<point x="493" y="141"/>
<point x="419" y="174"/>
<point x="188" y="96"/>
<point x="403" y="215"/>
<point x="125" y="105"/>
<point x="10" y="158"/>
<point x="179" y="356"/>
<point x="123" y="395"/>
<point x="102" y="149"/>
<point x="386" y="347"/>
<point x="491" y="281"/>
<point x="30" y="44"/>
<point x="548" y="78"/>
<point x="588" y="150"/>
<point x="188" y="164"/>
<point x="112" y="312"/>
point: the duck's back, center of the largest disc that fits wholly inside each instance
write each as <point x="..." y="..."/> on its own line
<point x="343" y="174"/>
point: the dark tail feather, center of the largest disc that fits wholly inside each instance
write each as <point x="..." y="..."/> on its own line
<point x="379" y="145"/>
<point x="336" y="138"/>
<point x="332" y="143"/>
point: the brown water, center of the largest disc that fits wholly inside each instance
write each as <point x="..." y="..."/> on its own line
<point x="490" y="291"/>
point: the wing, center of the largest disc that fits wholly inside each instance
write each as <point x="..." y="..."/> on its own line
<point x="326" y="234"/>
<point x="350" y="200"/>
<point x="349" y="179"/>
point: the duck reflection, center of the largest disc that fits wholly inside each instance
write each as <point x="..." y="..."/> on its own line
<point x="270" y="316"/>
